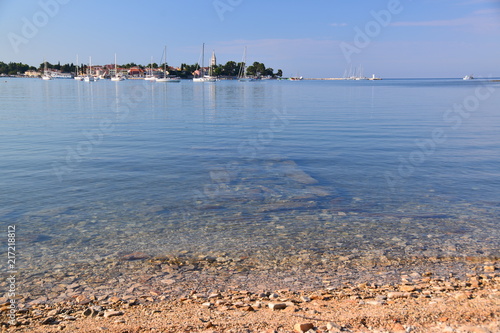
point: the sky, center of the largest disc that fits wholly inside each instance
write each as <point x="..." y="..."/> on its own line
<point x="315" y="39"/>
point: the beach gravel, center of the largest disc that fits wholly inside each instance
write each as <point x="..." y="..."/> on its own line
<point x="428" y="300"/>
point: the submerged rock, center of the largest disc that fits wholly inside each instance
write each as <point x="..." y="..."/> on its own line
<point x="291" y="170"/>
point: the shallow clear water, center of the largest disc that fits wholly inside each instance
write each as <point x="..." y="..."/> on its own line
<point x="393" y="167"/>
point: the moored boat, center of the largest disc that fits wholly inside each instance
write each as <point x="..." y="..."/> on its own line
<point x="117" y="77"/>
<point x="166" y="77"/>
<point x="46" y="75"/>
<point x="242" y="75"/>
<point x="202" y="77"/>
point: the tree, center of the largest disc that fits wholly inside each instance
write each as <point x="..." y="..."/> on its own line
<point x="230" y="68"/>
<point x="279" y="73"/>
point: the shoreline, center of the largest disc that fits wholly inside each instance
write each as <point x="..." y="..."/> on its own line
<point x="354" y="298"/>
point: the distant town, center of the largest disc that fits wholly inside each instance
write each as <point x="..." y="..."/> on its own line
<point x="230" y="70"/>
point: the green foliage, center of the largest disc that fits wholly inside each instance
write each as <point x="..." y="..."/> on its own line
<point x="259" y="69"/>
<point x="12" y="68"/>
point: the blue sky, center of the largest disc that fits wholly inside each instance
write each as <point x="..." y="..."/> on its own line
<point x="318" y="38"/>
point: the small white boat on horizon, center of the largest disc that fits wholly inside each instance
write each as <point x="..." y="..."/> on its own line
<point x="166" y="77"/>
<point x="202" y="77"/>
<point x="468" y="77"/>
<point x="242" y="75"/>
<point x="46" y="75"/>
<point x="150" y="76"/>
<point x="89" y="77"/>
<point x="117" y="77"/>
<point x="77" y="77"/>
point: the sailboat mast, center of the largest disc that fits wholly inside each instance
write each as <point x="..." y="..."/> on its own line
<point x="245" y="62"/>
<point x="202" y="59"/>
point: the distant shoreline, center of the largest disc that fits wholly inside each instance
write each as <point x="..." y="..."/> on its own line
<point x="310" y="79"/>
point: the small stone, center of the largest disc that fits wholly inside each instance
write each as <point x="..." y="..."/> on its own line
<point x="67" y="317"/>
<point x="273" y="296"/>
<point x="53" y="312"/>
<point x="48" y="321"/>
<point x="398" y="328"/>
<point x="112" y="313"/>
<point x="305" y="299"/>
<point x="134" y="256"/>
<point x="489" y="268"/>
<point x="407" y="288"/>
<point x="239" y="305"/>
<point x="114" y="299"/>
<point x="168" y="281"/>
<point x="331" y="326"/>
<point x="120" y="321"/>
<point x="304" y="327"/>
<point x="277" y="306"/>
<point x="207" y="304"/>
<point x="396" y="294"/>
<point x="82" y="300"/>
<point x="461" y="296"/>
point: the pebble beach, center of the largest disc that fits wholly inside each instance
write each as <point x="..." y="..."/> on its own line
<point x="139" y="293"/>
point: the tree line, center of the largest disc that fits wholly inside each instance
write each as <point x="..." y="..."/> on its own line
<point x="13" y="68"/>
<point x="231" y="68"/>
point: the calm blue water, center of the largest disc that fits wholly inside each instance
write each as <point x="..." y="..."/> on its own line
<point x="394" y="167"/>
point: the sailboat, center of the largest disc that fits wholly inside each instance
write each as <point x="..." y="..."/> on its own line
<point x="117" y="77"/>
<point x="202" y="77"/>
<point x="77" y="77"/>
<point x="150" y="76"/>
<point x="242" y="75"/>
<point x="46" y="75"/>
<point x="165" y="77"/>
<point x="89" y="77"/>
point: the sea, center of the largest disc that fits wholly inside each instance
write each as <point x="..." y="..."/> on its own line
<point x="393" y="168"/>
